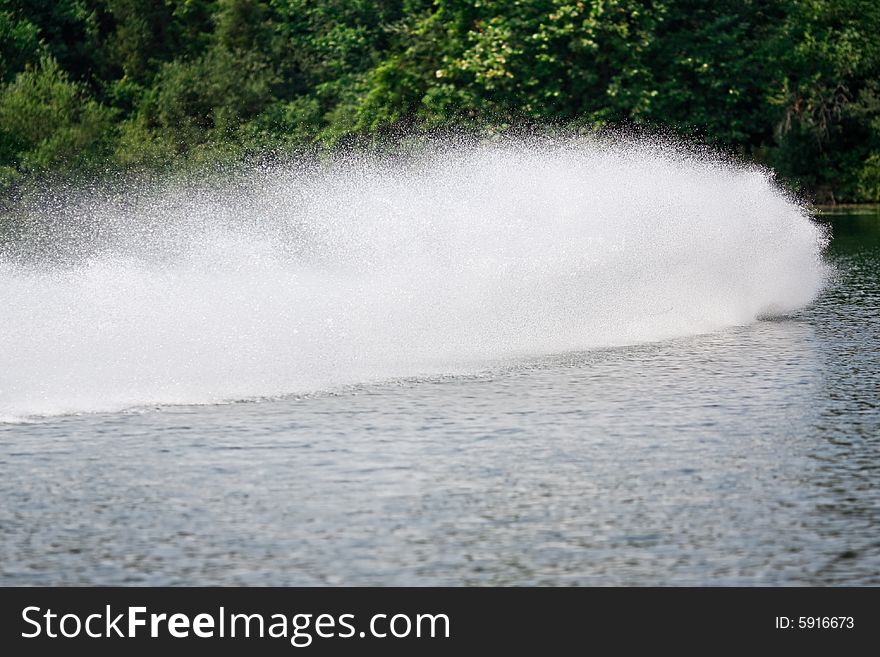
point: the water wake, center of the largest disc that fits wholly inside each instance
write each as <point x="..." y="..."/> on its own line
<point x="300" y="278"/>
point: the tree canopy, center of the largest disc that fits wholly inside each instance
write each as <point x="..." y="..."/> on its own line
<point x="95" y="85"/>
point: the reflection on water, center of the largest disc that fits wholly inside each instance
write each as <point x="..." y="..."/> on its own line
<point x="748" y="456"/>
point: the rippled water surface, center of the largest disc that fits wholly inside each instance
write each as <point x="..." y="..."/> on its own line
<point x="745" y="456"/>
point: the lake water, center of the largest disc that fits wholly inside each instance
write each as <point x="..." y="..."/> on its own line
<point x="745" y="456"/>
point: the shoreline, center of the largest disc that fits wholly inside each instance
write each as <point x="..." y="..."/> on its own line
<point x="831" y="208"/>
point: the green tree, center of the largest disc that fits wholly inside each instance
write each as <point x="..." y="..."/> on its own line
<point x="48" y="122"/>
<point x="826" y="100"/>
<point x="19" y="44"/>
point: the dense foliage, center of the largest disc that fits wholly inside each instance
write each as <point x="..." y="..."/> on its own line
<point x="96" y="85"/>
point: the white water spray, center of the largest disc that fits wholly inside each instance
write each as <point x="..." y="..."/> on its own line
<point x="295" y="279"/>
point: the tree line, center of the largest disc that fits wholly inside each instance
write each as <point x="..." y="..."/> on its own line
<point x="93" y="86"/>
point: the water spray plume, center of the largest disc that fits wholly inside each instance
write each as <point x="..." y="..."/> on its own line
<point x="299" y="278"/>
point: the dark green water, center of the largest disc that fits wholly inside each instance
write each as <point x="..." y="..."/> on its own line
<point x="747" y="456"/>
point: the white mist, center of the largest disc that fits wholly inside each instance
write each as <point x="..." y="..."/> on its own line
<point x="296" y="279"/>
